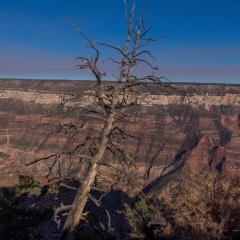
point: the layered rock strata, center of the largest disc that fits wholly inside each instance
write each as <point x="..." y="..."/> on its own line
<point x="196" y="124"/>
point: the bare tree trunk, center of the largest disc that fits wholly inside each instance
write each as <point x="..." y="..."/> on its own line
<point x="76" y="211"/>
<point x="111" y="102"/>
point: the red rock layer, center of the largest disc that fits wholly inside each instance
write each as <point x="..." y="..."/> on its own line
<point x="185" y="128"/>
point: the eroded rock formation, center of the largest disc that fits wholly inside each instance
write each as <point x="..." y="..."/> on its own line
<point x="196" y="124"/>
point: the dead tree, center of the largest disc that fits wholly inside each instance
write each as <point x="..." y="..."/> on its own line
<point x="111" y="102"/>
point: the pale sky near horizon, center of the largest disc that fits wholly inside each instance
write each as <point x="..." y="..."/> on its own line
<point x="202" y="44"/>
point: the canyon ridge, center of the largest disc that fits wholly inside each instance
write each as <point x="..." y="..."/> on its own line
<point x="186" y="124"/>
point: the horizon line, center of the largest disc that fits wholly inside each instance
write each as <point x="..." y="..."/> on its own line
<point x="169" y="82"/>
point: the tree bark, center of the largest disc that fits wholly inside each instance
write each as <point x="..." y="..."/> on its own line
<point x="80" y="200"/>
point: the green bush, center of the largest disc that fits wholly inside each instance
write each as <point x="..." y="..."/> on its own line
<point x="17" y="219"/>
<point x="138" y="218"/>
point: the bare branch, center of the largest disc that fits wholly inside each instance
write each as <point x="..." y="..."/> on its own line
<point x="126" y="175"/>
<point x="116" y="48"/>
<point x="109" y="222"/>
<point x="131" y="17"/>
<point x="121" y="149"/>
<point x="150" y="78"/>
<point x="40" y="159"/>
<point x="123" y="133"/>
<point x="93" y="199"/>
<point x="153" y="39"/>
<point x="143" y="16"/>
<point x="145" y="31"/>
<point x="111" y="59"/>
<point x="99" y="204"/>
<point x="147" y="53"/>
<point x="94" y="116"/>
<point x="125" y="11"/>
<point x="60" y="209"/>
<point x="57" y="218"/>
<point x="102" y="196"/>
<point x="142" y="60"/>
<point x="150" y="40"/>
<point x="83" y="156"/>
<point x="89" y="40"/>
<point x="85" y="60"/>
<point x="67" y="186"/>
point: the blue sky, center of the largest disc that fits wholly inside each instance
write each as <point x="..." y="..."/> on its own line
<point x="202" y="44"/>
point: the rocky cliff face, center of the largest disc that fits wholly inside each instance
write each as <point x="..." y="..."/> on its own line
<point x="190" y="124"/>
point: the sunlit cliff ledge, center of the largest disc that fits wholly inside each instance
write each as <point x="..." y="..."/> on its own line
<point x="54" y="91"/>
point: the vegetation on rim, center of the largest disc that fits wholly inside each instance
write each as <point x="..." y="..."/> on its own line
<point x="19" y="220"/>
<point x="203" y="205"/>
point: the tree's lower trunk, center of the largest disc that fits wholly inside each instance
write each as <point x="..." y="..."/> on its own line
<point x="81" y="197"/>
<point x="80" y="200"/>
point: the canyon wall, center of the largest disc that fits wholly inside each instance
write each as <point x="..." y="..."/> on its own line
<point x="181" y="125"/>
